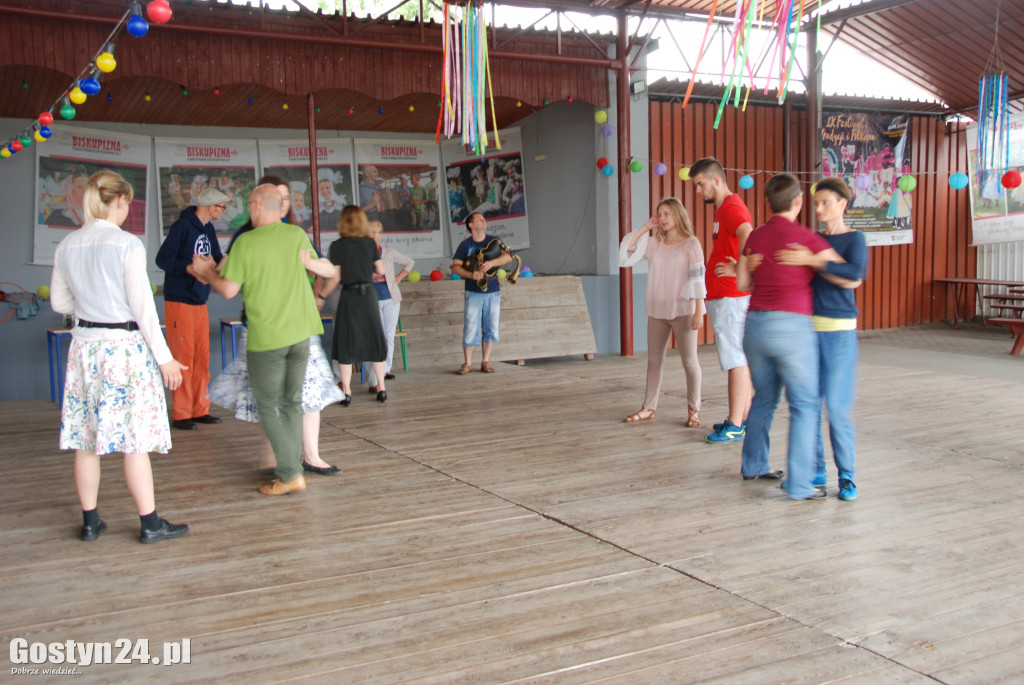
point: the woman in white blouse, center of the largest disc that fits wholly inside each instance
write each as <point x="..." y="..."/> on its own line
<point x="118" y="362"/>
<point x="675" y="302"/>
<point x="389" y="297"/>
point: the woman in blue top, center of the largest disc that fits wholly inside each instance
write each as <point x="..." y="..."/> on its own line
<point x="835" y="320"/>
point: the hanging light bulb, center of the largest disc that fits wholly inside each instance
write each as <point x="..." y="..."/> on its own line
<point x="77" y="95"/>
<point x="137" y="26"/>
<point x="4" y="152"/>
<point x="46" y="118"/>
<point x="105" y="61"/>
<point x="91" y="85"/>
<point x="25" y="141"/>
<point x="159" y="11"/>
<point x="45" y="131"/>
<point x="67" y="111"/>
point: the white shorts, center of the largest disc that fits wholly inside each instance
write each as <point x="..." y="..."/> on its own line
<point x="728" y="316"/>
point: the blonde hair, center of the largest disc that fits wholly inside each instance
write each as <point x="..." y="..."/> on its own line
<point x="103" y="189"/>
<point x="679" y="215"/>
<point x="376" y="226"/>
<point x="353" y="223"/>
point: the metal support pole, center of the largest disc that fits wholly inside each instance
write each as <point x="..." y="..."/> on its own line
<point x="313" y="181"/>
<point x="625" y="206"/>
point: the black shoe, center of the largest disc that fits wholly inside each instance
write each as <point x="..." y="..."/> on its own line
<point x="322" y="470"/>
<point x="382" y="396"/>
<point x="184" y="424"/>
<point x="166" y="531"/>
<point x="347" y="401"/>
<point x="389" y="376"/>
<point x="371" y="389"/>
<point x="206" y="418"/>
<point x="90" y="533"/>
<point x="771" y="475"/>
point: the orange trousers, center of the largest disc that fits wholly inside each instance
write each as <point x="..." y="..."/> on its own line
<point x="188" y="336"/>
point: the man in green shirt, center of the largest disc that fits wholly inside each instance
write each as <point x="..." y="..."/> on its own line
<point x="268" y="265"/>
<point x="418" y="199"/>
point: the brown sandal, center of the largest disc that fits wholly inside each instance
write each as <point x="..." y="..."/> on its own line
<point x="636" y="418"/>
<point x="693" y="418"/>
<point x="464" y="369"/>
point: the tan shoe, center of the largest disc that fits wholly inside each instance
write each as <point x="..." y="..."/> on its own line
<point x="487" y="367"/>
<point x="278" y="487"/>
<point x="464" y="369"/>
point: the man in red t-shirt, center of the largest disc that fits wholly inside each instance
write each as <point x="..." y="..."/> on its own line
<point x="726" y="305"/>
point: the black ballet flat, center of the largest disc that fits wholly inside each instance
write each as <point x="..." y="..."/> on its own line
<point x="347" y="401"/>
<point x="382" y="396"/>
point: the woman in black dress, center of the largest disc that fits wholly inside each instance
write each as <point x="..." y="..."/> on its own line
<point x="358" y="332"/>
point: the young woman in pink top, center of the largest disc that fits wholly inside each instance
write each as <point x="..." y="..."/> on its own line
<point x="675" y="302"/>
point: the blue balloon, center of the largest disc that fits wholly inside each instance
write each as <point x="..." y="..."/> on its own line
<point x="958" y="181"/>
<point x="607" y="170"/>
<point x="746" y="182"/>
<point x="528" y="274"/>
<point x="455" y="276"/>
<point x="137" y="26"/>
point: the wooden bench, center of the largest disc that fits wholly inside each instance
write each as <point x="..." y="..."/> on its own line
<point x="541" y="317"/>
<point x="1010" y="307"/>
<point x="1016" y="327"/>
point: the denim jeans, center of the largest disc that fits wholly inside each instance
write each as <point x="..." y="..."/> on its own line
<point x="837" y="368"/>
<point x="782" y="351"/>
<point x="482" y="310"/>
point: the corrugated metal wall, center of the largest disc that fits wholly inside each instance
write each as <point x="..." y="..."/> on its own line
<point x="899" y="289"/>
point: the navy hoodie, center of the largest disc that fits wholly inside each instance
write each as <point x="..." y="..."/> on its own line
<point x="188" y="236"/>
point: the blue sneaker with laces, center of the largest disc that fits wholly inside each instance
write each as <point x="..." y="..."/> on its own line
<point x="729" y="432"/>
<point x="847" y="490"/>
<point x="718" y="426"/>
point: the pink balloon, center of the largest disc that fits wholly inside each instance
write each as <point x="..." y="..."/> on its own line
<point x="863" y="181"/>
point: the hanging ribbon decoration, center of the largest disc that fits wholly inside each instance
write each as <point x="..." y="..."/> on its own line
<point x="993" y="114"/>
<point x="466" y="78"/>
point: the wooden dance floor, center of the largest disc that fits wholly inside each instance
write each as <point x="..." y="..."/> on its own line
<point x="510" y="528"/>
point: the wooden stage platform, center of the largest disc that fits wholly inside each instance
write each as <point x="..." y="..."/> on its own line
<point x="510" y="528"/>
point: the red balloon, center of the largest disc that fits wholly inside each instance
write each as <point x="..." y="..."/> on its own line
<point x="159" y="11"/>
<point x="602" y="163"/>
<point x="45" y="118"/>
<point x="436" y="275"/>
<point x="1011" y="179"/>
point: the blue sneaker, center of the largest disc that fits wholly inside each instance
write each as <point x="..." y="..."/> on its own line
<point x="820" y="481"/>
<point x="718" y="426"/>
<point x="847" y="490"/>
<point x="729" y="432"/>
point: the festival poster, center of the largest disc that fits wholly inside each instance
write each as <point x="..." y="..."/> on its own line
<point x="871" y="152"/>
<point x="187" y="166"/>
<point x="63" y="167"/>
<point x="290" y="159"/>
<point x="997" y="212"/>
<point x="397" y="184"/>
<point x="493" y="184"/>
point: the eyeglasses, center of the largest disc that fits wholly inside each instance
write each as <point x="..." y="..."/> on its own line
<point x="220" y="207"/>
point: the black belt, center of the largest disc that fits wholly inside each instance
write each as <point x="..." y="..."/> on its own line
<point x="124" y="325"/>
<point x="361" y="287"/>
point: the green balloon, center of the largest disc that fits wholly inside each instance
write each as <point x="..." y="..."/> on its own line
<point x="907" y="183"/>
<point x="636" y="166"/>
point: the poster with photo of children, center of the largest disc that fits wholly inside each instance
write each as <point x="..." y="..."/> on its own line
<point x="63" y="168"/>
<point x="186" y="167"/>
<point x="997" y="212"/>
<point x="397" y="184"/>
<point x="290" y="160"/>
<point x="493" y="185"/>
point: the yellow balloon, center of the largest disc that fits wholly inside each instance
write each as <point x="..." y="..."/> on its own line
<point x="106" y="62"/>
<point x="814" y="188"/>
<point x="502" y="273"/>
<point x="414" y="276"/>
<point x="77" y="96"/>
<point x="43" y="291"/>
<point x="153" y="286"/>
<point x="600" y="116"/>
<point x="684" y="173"/>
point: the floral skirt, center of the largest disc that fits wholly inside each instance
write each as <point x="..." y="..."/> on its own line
<point x="114" y="398"/>
<point x="231" y="389"/>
